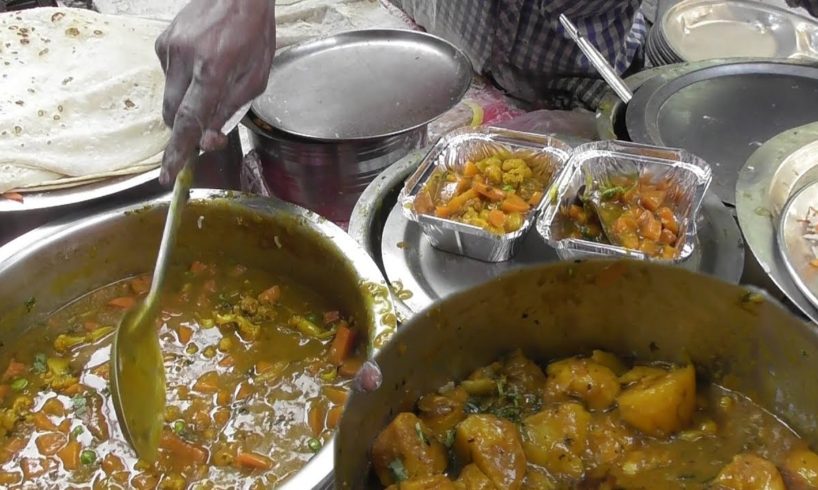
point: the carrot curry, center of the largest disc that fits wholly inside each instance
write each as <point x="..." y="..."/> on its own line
<point x="589" y="423"/>
<point x="494" y="194"/>
<point x="257" y="367"/>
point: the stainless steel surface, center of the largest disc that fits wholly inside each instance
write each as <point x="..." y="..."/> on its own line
<point x="217" y="170"/>
<point x="598" y="61"/>
<point x="706" y="29"/>
<point x="326" y="178"/>
<point x="363" y="84"/>
<point x="64" y="260"/>
<point x="559" y="310"/>
<point x="137" y="364"/>
<point x="545" y="154"/>
<point x="797" y="252"/>
<point x="723" y="113"/>
<point x="420" y="274"/>
<point x="598" y="162"/>
<point x="760" y="185"/>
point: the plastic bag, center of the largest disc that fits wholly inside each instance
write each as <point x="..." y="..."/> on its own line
<point x="579" y="125"/>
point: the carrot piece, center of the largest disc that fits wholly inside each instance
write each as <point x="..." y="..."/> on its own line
<point x="651" y="199"/>
<point x="207" y="383"/>
<point x="455" y="203"/>
<point x="535" y="198"/>
<point x="42" y="422"/>
<point x="140" y="285"/>
<point x="221" y="416"/>
<point x="331" y="317"/>
<point x="342" y="345"/>
<point x="649" y="226"/>
<point x="197" y="267"/>
<point x="184" y="334"/>
<point x="253" y="461"/>
<point x="315" y="419"/>
<point x="124" y="302"/>
<point x="145" y="481"/>
<point x="350" y="367"/>
<point x="13" y="196"/>
<point x="497" y="218"/>
<point x="76" y="388"/>
<point x="270" y="295"/>
<point x="181" y="449"/>
<point x="470" y="169"/>
<point x="15" y="370"/>
<point x="53" y="406"/>
<point x="10" y="477"/>
<point x="244" y="391"/>
<point x="223" y="397"/>
<point x="227" y="361"/>
<point x="65" y="426"/>
<point x="489" y="192"/>
<point x="4" y="391"/>
<point x="111" y="464"/>
<point x="337" y="396"/>
<point x="334" y="416"/>
<point x="34" y="467"/>
<point x="514" y="204"/>
<point x="263" y="366"/>
<point x="49" y="443"/>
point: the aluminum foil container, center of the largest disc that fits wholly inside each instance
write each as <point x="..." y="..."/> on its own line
<point x="599" y="162"/>
<point x="451" y="152"/>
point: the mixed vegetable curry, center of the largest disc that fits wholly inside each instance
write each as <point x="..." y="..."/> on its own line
<point x="494" y="194"/>
<point x="589" y="423"/>
<point x="257" y="370"/>
<point x="631" y="212"/>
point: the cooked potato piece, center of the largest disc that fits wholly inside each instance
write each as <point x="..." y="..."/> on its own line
<point x="661" y="405"/>
<point x="608" y="439"/>
<point x="523" y="374"/>
<point x="494" y="445"/>
<point x="556" y="437"/>
<point x="800" y="470"/>
<point x="471" y="478"/>
<point x="442" y="412"/>
<point x="408" y="441"/>
<point x="593" y="383"/>
<point x="749" y="472"/>
<point x="437" y="482"/>
<point x="536" y="479"/>
<point x="638" y="373"/>
<point x="610" y="361"/>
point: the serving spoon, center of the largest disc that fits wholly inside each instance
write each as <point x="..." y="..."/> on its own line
<point x="137" y="367"/>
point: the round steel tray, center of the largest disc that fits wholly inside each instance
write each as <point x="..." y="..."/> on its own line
<point x="777" y="170"/>
<point x="420" y="274"/>
<point x="796" y="251"/>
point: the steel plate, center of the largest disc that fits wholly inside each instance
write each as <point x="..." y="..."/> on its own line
<point x="761" y="183"/>
<point x="796" y="251"/>
<point x="421" y="274"/>
<point x="697" y="31"/>
<point x="363" y="84"/>
<point x="723" y="113"/>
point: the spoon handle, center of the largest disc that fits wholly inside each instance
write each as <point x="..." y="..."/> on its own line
<point x="181" y="193"/>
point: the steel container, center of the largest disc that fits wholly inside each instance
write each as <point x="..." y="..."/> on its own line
<point x="648" y="311"/>
<point x="52" y="265"/>
<point x="326" y="177"/>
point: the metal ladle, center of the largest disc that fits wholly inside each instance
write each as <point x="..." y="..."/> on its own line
<point x="600" y="63"/>
<point x="137" y="367"/>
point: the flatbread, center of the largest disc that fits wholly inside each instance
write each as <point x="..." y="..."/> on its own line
<point x="80" y="97"/>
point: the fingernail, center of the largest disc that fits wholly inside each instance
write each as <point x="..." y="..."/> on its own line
<point x="369" y="377"/>
<point x="164" y="178"/>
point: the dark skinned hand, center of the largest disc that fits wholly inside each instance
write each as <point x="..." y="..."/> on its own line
<point x="216" y="56"/>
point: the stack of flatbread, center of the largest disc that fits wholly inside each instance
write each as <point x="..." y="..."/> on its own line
<point x="80" y="98"/>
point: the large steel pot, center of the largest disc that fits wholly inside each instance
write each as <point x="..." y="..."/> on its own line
<point x="59" y="262"/>
<point x="652" y="312"/>
<point x="326" y="177"/>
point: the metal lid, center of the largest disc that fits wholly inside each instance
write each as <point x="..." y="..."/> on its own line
<point x="798" y="240"/>
<point x="363" y="84"/>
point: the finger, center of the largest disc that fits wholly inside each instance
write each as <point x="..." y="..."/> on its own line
<point x="178" y="76"/>
<point x="368" y="378"/>
<point x="246" y="88"/>
<point x="213" y="140"/>
<point x="189" y="124"/>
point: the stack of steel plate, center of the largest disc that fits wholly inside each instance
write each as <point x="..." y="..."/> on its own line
<point x="695" y="30"/>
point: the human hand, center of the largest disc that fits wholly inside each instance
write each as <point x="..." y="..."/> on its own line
<point x="810" y="6"/>
<point x="216" y="55"/>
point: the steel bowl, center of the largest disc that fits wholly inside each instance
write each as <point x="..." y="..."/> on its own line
<point x="325" y="177"/>
<point x="52" y="265"/>
<point x="649" y="311"/>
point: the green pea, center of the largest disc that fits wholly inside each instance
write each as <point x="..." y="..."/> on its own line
<point x="179" y="427"/>
<point x="314" y="444"/>
<point x="88" y="457"/>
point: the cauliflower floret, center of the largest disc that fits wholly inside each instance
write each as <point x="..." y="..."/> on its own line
<point x="516" y="171"/>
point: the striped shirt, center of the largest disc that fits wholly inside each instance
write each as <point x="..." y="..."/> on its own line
<point x="522" y="46"/>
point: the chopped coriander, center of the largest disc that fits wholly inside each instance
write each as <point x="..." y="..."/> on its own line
<point x="398" y="470"/>
<point x="88" y="457"/>
<point x="30" y="302"/>
<point x="448" y="438"/>
<point x="39" y="365"/>
<point x="314" y="444"/>
<point x="79" y="403"/>
<point x="19" y="384"/>
<point x="421" y="436"/>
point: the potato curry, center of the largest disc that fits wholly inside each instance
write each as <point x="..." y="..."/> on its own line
<point x="494" y="194"/>
<point x="257" y="367"/>
<point x="634" y="213"/>
<point x="589" y="423"/>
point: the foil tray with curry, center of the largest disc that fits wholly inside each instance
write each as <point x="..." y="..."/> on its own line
<point x="589" y="422"/>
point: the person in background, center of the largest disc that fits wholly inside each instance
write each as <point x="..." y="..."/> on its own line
<point x="217" y="54"/>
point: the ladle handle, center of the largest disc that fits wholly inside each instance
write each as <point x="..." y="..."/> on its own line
<point x="181" y="193"/>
